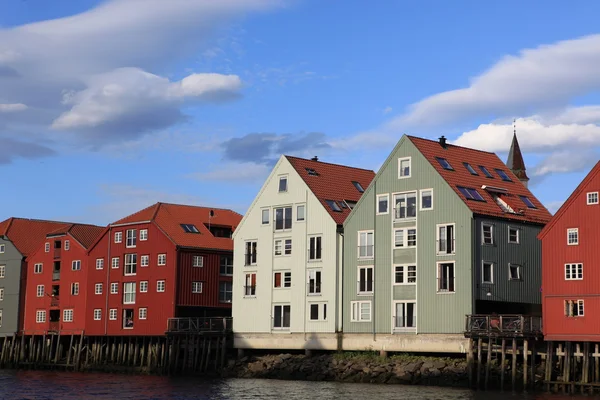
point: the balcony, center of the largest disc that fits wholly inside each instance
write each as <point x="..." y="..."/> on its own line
<point x="53" y="326"/>
<point x="503" y="325"/>
<point x="405" y="324"/>
<point x="54" y="301"/>
<point x="55" y="275"/>
<point x="216" y="324"/>
<point x="249" y="259"/>
<point x="250" y="291"/>
<point x="57" y="252"/>
<point x="365" y="251"/>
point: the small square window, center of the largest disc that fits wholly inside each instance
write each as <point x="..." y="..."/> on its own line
<point x="115" y="263"/>
<point x="383" y="201"/>
<point x="143" y="286"/>
<point x="143" y="313"/>
<point x="100" y="263"/>
<point x="592" y="198"/>
<point x="98" y="288"/>
<point x="118" y="237"/>
<point x="97" y="314"/>
<point x="196" y="287"/>
<point x="160" y="286"/>
<point x="114" y="288"/>
<point x="514" y="272"/>
<point x="67" y="315"/>
<point x="283" y="184"/>
<point x="513" y="235"/>
<point x="404" y="168"/>
<point x="162" y="259"/>
<point x="143" y="234"/>
<point x="265" y="216"/>
<point x="112" y="315"/>
<point x="300" y="210"/>
<point x="144" y="261"/>
<point x="198" y="261"/>
<point x="426" y="199"/>
<point x="573" y="236"/>
<point x="37" y="268"/>
<point x="573" y="272"/>
<point x="76" y="265"/>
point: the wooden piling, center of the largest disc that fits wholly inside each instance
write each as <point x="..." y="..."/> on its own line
<point x="549" y="358"/>
<point x="470" y="362"/>
<point x="567" y="366"/>
<point x="488" y="362"/>
<point x="586" y="366"/>
<point x="525" y="355"/>
<point x="479" y="362"/>
<point x="514" y="364"/>
<point x="503" y="364"/>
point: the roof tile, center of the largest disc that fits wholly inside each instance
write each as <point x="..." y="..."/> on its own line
<point x="27" y="234"/>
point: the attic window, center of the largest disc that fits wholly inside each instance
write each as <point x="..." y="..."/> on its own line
<point x="190" y="228"/>
<point x="470" y="193"/>
<point x="334" y="206"/>
<point x="343" y="204"/>
<point x="527" y="202"/>
<point x="503" y="175"/>
<point x="312" y="172"/>
<point x="486" y="172"/>
<point x="350" y="203"/>
<point x="358" y="186"/>
<point x="444" y="163"/>
<point x="470" y="168"/>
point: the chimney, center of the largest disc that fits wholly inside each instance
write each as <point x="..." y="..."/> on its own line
<point x="315" y="158"/>
<point x="443" y="141"/>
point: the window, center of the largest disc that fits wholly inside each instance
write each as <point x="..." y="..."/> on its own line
<point x="226" y="265"/>
<point x="283" y="218"/>
<point x="2" y="248"/>
<point x="143" y="235"/>
<point x="75" y="288"/>
<point x="360" y="311"/>
<point x="311" y="171"/>
<point x="99" y="263"/>
<point x="198" y="261"/>
<point x="574" y="308"/>
<point x="333" y="205"/>
<point x="225" y="292"/>
<point x="112" y="314"/>
<point x="118" y="237"/>
<point x="405" y="315"/>
<point x="573" y="272"/>
<point x="142" y="312"/>
<point x="40" y="291"/>
<point x="160" y="286"/>
<point x="445" y="277"/>
<point x="514" y="272"/>
<point x="76" y="265"/>
<point x="250" y="285"/>
<point x="444" y="163"/>
<point x="503" y="175"/>
<point x="130" y="264"/>
<point x="382" y="203"/>
<point x="314" y="281"/>
<point x="287" y="250"/>
<point x="487" y="272"/>
<point x="196" y="287"/>
<point x="470" y="168"/>
<point x="129" y="293"/>
<point x="358" y="187"/>
<point x="513" y="235"/>
<point x="365" y="244"/>
<point x="47" y="247"/>
<point x="300" y="211"/>
<point x="445" y="239"/>
<point x="283" y="186"/>
<point x="114" y="288"/>
<point x="37" y="268"/>
<point x="67" y="315"/>
<point x="282" y="279"/>
<point x="98" y="314"/>
<point x="426" y="199"/>
<point x="2" y="271"/>
<point x="131" y="238"/>
<point x="281" y="316"/>
<point x="189" y="228"/>
<point x="265" y="216"/>
<point x="67" y="245"/>
<point x="283" y="246"/>
<point x="350" y="203"/>
<point x="162" y="259"/>
<point x="1" y="294"/>
<point x="314" y="312"/>
<point x="527" y="202"/>
<point x="486" y="172"/>
<point x="115" y="262"/>
<point x="405" y="205"/>
<point x="487" y="234"/>
<point x="143" y="286"/>
<point x="144" y="261"/>
<point x="405" y="237"/>
<point x="572" y="236"/>
<point x="592" y="198"/>
<point x="405" y="274"/>
<point x="365" y="280"/>
<point x="40" y="316"/>
<point x="314" y="248"/>
<point x="98" y="288"/>
<point x="250" y="256"/>
<point x="404" y="168"/>
<point x="470" y="193"/>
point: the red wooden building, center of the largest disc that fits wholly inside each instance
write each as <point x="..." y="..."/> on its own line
<point x="570" y="273"/>
<point x="162" y="262"/>
<point x="57" y="271"/>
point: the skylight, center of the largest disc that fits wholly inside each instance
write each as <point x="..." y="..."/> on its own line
<point x="470" y="193"/>
<point x="444" y="163"/>
<point x="312" y="172"/>
<point x="503" y="175"/>
<point x="190" y="228"/>
<point x="470" y="168"/>
<point x="350" y="203"/>
<point x="358" y="186"/>
<point x="527" y="202"/>
<point x="486" y="172"/>
<point x="343" y="204"/>
<point x="333" y="205"/>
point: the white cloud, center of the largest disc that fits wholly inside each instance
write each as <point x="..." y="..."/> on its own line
<point x="248" y="172"/>
<point x="565" y="162"/>
<point x="387" y="110"/>
<point x="6" y="108"/>
<point x="553" y="206"/>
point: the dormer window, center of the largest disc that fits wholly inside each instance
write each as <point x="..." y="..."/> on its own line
<point x="503" y="175"/>
<point x="444" y="163"/>
<point x="486" y="172"/>
<point x="358" y="186"/>
<point x="333" y="205"/>
<point x="312" y="172"/>
<point x="470" y="193"/>
<point x="527" y="202"/>
<point x="283" y="186"/>
<point x="190" y="228"/>
<point x="470" y="168"/>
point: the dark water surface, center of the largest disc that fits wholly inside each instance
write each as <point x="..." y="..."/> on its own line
<point x="67" y="385"/>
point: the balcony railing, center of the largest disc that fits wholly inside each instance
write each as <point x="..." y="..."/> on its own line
<point x="365" y="251"/>
<point x="54" y="326"/>
<point x="57" y="252"/>
<point x="56" y="275"/>
<point x="250" y="290"/>
<point x="215" y="324"/>
<point x="54" y="301"/>
<point x="249" y="259"/>
<point x="405" y="323"/>
<point x="503" y="325"/>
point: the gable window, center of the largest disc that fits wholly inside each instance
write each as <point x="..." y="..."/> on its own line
<point x="573" y="236"/>
<point x="404" y="167"/>
<point x="314" y="282"/>
<point x="47" y="248"/>
<point x="250" y="256"/>
<point x="486" y="172"/>
<point x="2" y="271"/>
<point x="513" y="235"/>
<point x="487" y="234"/>
<point x="365" y="244"/>
<point x="514" y="272"/>
<point x="118" y="237"/>
<point x="129" y="293"/>
<point x="250" y="285"/>
<point x="445" y="239"/>
<point x="98" y="288"/>
<point x="360" y="311"/>
<point x="226" y="265"/>
<point x="2" y="248"/>
<point x="189" y="228"/>
<point x="75" y="288"/>
<point x="300" y="210"/>
<point x="444" y="163"/>
<point x="130" y="264"/>
<point x="283" y="218"/>
<point x="573" y="272"/>
<point x="283" y="246"/>
<point x="405" y="205"/>
<point x="196" y="287"/>
<point x="283" y="186"/>
<point x="405" y="314"/>
<point x="405" y="237"/>
<point x="503" y="175"/>
<point x="114" y="288"/>
<point x="445" y="277"/>
<point x="487" y="272"/>
<point x="426" y="199"/>
<point x="115" y="262"/>
<point x="143" y="234"/>
<point x="382" y="203"/>
<point x="198" y="261"/>
<point x="470" y="168"/>
<point x="470" y="193"/>
<point x="574" y="308"/>
<point x="131" y="238"/>
<point x="225" y="292"/>
<point x="67" y="245"/>
<point x="40" y="291"/>
<point x="99" y="263"/>
<point x="592" y="198"/>
<point x="37" y="268"/>
<point x="281" y="316"/>
<point x="40" y="316"/>
<point x="282" y="279"/>
<point x="314" y="312"/>
<point x="76" y="265"/>
<point x="527" y="201"/>
<point x="405" y="274"/>
<point x="143" y="286"/>
<point x="162" y="259"/>
<point x="358" y="187"/>
<point x="265" y="216"/>
<point x="314" y="248"/>
<point x="333" y="205"/>
<point x="365" y="280"/>
<point x="144" y="261"/>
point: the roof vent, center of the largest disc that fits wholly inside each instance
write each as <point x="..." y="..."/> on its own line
<point x="443" y="141"/>
<point x="315" y="158"/>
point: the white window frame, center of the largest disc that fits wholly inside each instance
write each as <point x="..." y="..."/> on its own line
<point x="67" y="315"/>
<point x="310" y="275"/>
<point x="249" y="289"/>
<point x="162" y="260"/>
<point x="283" y="208"/>
<point x="40" y="291"/>
<point x="118" y="237"/>
<point x="197" y="287"/>
<point x="40" y="316"/>
<point x="1" y="294"/>
<point x="38" y="268"/>
<point x="394" y="316"/>
<point x="47" y="247"/>
<point x="97" y="314"/>
<point x="115" y="262"/>
<point x="580" y="304"/>
<point x="437" y="278"/>
<point x="366" y="232"/>
<point x="366" y="292"/>
<point x="98" y="288"/>
<point x="405" y="241"/>
<point x="144" y="261"/>
<point x="400" y="171"/>
<point x="385" y="196"/>
<point x="67" y="245"/>
<point x="310" y="240"/>
<point x="421" y="192"/>
<point x="99" y="263"/>
<point x="143" y="235"/>
<point x="406" y="196"/>
<point x="76" y="265"/>
<point x="518" y="230"/>
<point x="130" y="264"/>
<point x="2" y="271"/>
<point x="298" y="207"/>
<point x="263" y="212"/>
<point x="2" y="248"/>
<point x="75" y="289"/>
<point x="491" y="226"/>
<point x="321" y="311"/>
<point x="114" y="288"/>
<point x="112" y="314"/>
<point x="161" y="286"/>
<point x="519" y="272"/>
<point x="129" y="292"/>
<point x="142" y="313"/>
<point x="406" y="272"/>
<point x="590" y="196"/>
<point x="131" y="240"/>
<point x="491" y="264"/>
<point x="572" y="271"/>
<point x="356" y="311"/>
<point x="576" y="232"/>
<point x="198" y="261"/>
<point x="438" y="251"/>
<point x="281" y="328"/>
<point x="283" y="274"/>
<point x="143" y="286"/>
<point x="282" y="177"/>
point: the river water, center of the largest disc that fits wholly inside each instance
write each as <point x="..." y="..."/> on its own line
<point x="66" y="385"/>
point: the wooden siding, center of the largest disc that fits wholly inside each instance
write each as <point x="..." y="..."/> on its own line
<point x="11" y="259"/>
<point x="208" y="274"/>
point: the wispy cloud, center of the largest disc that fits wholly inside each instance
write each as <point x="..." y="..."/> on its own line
<point x="12" y="149"/>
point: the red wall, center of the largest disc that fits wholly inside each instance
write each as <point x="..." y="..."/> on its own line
<point x="556" y="253"/>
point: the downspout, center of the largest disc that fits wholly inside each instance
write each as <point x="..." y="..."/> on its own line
<point x="340" y="281"/>
<point x="108" y="266"/>
<point x="305" y="259"/>
<point x="374" y="258"/>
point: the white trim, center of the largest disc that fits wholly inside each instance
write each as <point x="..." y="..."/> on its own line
<point x="282" y="272"/>
<point x="303" y="205"/>
<point x="491" y="233"/>
<point x="358" y="313"/>
<point x="405" y="193"/>
<point x="405" y="244"/>
<point x="576" y="230"/>
<point x="2" y="250"/>
<point x="129" y="223"/>
<point x="519" y="272"/>
<point x="421" y="199"/>
<point x="518" y="235"/>
<point x="406" y="329"/>
<point x="321" y="306"/>
<point x="405" y="274"/>
<point x="67" y="311"/>
<point x="143" y="238"/>
<point x="145" y="313"/>
<point x="320" y="281"/>
<point x="280" y="328"/>
<point x="387" y="200"/>
<point x="112" y="314"/>
<point x="164" y="286"/>
<point x="491" y="282"/>
<point x="365" y="293"/>
<point x="437" y="277"/>
<point x="133" y="238"/>
<point x="576" y="274"/>
<point x="287" y="181"/>
<point x="67" y="245"/>
<point x="118" y="235"/>
<point x="588" y="198"/>
<point x="372" y="232"/>
<point x="437" y="239"/>
<point x="262" y="214"/>
<point x="409" y="167"/>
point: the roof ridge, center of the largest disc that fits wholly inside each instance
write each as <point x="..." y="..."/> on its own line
<point x="450" y="144"/>
<point x="40" y="220"/>
<point x="328" y="163"/>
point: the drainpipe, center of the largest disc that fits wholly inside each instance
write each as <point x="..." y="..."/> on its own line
<point x="108" y="267"/>
<point x="374" y="258"/>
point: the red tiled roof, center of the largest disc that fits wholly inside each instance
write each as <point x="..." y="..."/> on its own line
<point x="460" y="176"/>
<point x="333" y="182"/>
<point x="83" y="233"/>
<point x="27" y="234"/>
<point x="169" y="217"/>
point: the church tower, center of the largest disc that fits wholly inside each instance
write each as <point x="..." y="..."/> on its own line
<point x="515" y="159"/>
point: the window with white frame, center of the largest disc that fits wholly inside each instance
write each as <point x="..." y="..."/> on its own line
<point x="196" y="287"/>
<point x="143" y="313"/>
<point x="0" y="318"/>
<point x="67" y="245"/>
<point x="47" y="247"/>
<point x="513" y="235"/>
<point x="487" y="233"/>
<point x="405" y="274"/>
<point x="144" y="261"/>
<point x="143" y="235"/>
<point x="115" y="262"/>
<point x="114" y="288"/>
<point x="426" y="199"/>
<point x="143" y="286"/>
<point x="360" y="311"/>
<point x="404" y="167"/>
<point x="118" y="237"/>
<point x="487" y="272"/>
<point x="2" y="271"/>
<point x="97" y="314"/>
<point x="40" y="291"/>
<point x="37" y="268"/>
<point x="251" y="255"/>
<point x="405" y="237"/>
<point x="198" y="261"/>
<point x="573" y="236"/>
<point x="445" y="239"/>
<point x="405" y="206"/>
<point x="162" y="259"/>
<point x="283" y="218"/>
<point x="592" y="198"/>
<point x="129" y="293"/>
<point x="226" y="265"/>
<point x="112" y="314"/>
<point x="283" y="184"/>
<point x="318" y="312"/>
<point x="67" y="315"/>
<point x="40" y="316"/>
<point x="514" y="272"/>
<point x="365" y="244"/>
<point x="574" y="272"/>
<point x="2" y="248"/>
<point x="250" y="285"/>
<point x="160" y="286"/>
<point x="225" y="292"/>
<point x="314" y="248"/>
<point x="365" y="280"/>
<point x="445" y="277"/>
<point x="405" y="315"/>
<point x="75" y="288"/>
<point x="130" y="264"/>
<point x="76" y="265"/>
<point x="98" y="288"/>
<point x="574" y="308"/>
<point x="131" y="238"/>
<point x="300" y="212"/>
<point x="282" y="279"/>
<point x="314" y="281"/>
<point x="281" y="316"/>
<point x="1" y="294"/>
<point x="383" y="203"/>
<point x="265" y="216"/>
<point x="99" y="263"/>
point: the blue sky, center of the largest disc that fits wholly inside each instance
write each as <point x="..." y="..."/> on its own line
<point x="109" y="106"/>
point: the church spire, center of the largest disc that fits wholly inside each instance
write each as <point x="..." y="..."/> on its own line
<point x="515" y="159"/>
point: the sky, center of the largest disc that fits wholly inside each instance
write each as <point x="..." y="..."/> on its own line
<point x="107" y="107"/>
